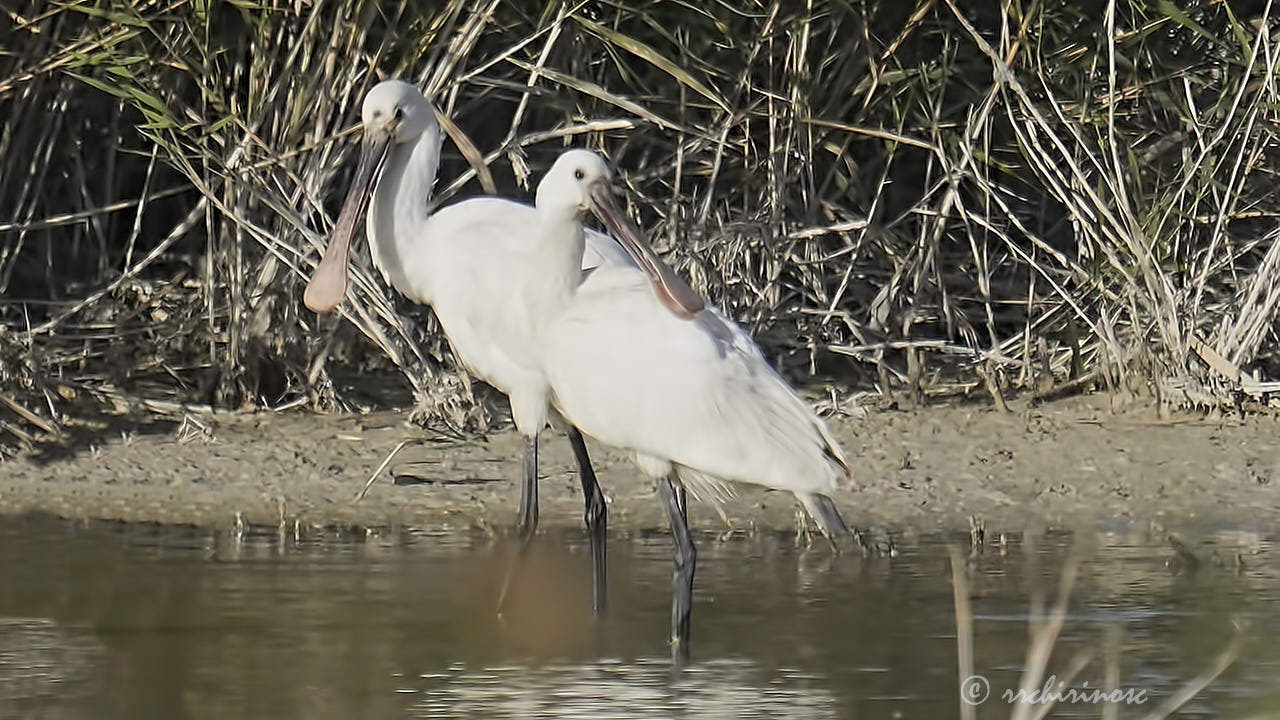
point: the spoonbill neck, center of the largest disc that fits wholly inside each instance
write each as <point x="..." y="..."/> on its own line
<point x="398" y="210"/>
<point x="555" y="264"/>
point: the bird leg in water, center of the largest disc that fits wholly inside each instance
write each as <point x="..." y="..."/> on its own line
<point x="529" y="491"/>
<point x="528" y="523"/>
<point x="824" y="513"/>
<point x="597" y="519"/>
<point x="686" y="559"/>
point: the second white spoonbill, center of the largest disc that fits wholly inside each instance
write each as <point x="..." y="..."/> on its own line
<point x="636" y="359"/>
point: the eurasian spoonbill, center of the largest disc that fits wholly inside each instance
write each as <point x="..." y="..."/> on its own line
<point x="467" y="261"/>
<point x="635" y="358"/>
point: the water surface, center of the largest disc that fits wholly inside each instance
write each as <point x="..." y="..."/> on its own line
<point x="147" y="622"/>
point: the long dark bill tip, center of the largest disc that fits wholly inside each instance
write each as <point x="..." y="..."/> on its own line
<point x="328" y="284"/>
<point x="675" y="293"/>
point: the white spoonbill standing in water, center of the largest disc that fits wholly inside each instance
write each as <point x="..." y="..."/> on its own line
<point x="636" y="359"/>
<point x="466" y="261"/>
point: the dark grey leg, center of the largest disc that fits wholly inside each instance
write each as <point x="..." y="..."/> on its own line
<point x="686" y="559"/>
<point x="528" y="523"/>
<point x="597" y="518"/>
<point x="831" y="524"/>
<point x="824" y="513"/>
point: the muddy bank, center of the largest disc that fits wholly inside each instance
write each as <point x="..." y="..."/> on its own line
<point x="1074" y="463"/>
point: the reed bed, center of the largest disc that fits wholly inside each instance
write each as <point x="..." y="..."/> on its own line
<point x="920" y="198"/>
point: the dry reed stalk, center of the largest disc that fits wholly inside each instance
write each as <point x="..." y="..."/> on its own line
<point x="884" y="194"/>
<point x="1045" y="627"/>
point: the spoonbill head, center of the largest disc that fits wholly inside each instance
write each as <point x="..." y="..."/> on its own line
<point x="572" y="182"/>
<point x="394" y="113"/>
<point x="397" y="110"/>
<point x="580" y="181"/>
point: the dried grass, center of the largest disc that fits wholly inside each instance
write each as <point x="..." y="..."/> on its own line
<point x="885" y="194"/>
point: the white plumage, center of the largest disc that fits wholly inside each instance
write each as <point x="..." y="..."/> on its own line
<point x="695" y="392"/>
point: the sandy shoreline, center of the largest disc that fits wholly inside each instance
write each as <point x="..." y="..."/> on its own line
<point x="1075" y="463"/>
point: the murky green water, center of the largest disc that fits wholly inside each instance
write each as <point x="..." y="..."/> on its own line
<point x="138" y="622"/>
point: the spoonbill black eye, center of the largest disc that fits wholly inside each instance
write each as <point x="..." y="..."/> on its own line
<point x="578" y="174"/>
<point x="399" y="113"/>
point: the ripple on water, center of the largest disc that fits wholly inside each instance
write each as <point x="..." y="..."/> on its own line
<point x="633" y="689"/>
<point x="41" y="661"/>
